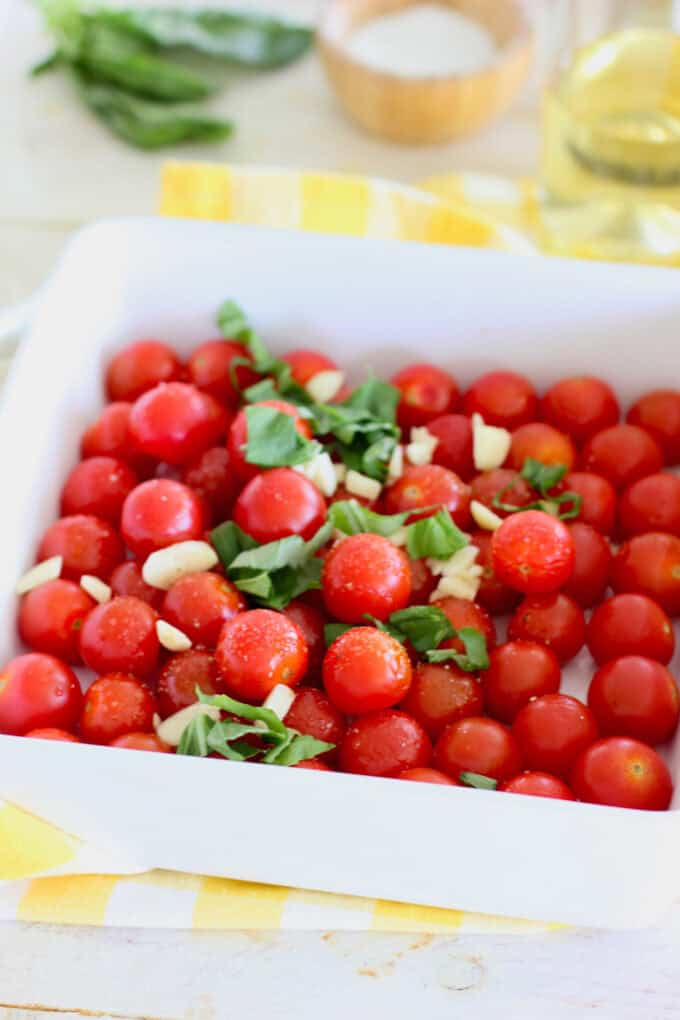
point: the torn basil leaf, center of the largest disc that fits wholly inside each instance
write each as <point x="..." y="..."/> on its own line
<point x="350" y="517"/>
<point x="437" y="537"/>
<point x="274" y="441"/>
<point x="425" y="627"/>
<point x="472" y="660"/>
<point x="542" y="477"/>
<point x="478" y="781"/>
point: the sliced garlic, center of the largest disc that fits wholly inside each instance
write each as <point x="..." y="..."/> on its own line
<point x="395" y="467"/>
<point x="321" y="472"/>
<point x="96" y="588"/>
<point x="490" y="445"/>
<point x="422" y="446"/>
<point x="459" y="576"/>
<point x="340" y="473"/>
<point x="362" y="485"/>
<point x="41" y="573"/>
<point x="171" y="729"/>
<point x="483" y="517"/>
<point x="279" y="700"/>
<point x="325" y="385"/>
<point x="456" y="587"/>
<point x="172" y="638"/>
<point x="398" y="537"/>
<point x="165" y="566"/>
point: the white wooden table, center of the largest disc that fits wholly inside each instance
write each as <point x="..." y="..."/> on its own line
<point x="59" y="170"/>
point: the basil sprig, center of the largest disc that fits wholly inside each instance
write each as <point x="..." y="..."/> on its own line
<point x="274" y="441"/>
<point x="542" y="478"/>
<point x="436" y="537"/>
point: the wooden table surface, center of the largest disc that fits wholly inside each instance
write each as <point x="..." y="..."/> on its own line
<point x="60" y="170"/>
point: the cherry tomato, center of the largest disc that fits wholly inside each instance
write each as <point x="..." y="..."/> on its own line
<point x="494" y="596"/>
<point x="52" y="733"/>
<point x="120" y="637"/>
<point x="311" y="622"/>
<point x="50" y="618"/>
<point x="365" y="670"/>
<point x="532" y="552"/>
<point x="199" y="604"/>
<point x="650" y="564"/>
<point x="580" y="406"/>
<point x="552" y="731"/>
<point x="257" y="650"/>
<point x="440" y="694"/>
<point x="598" y="500"/>
<point x="635" y="697"/>
<point x="87" y="545"/>
<point x="538" y="784"/>
<point x="622" y="453"/>
<point x="181" y="675"/>
<point x="385" y="743"/>
<point x="279" y="503"/>
<point x="176" y="422"/>
<point x="658" y="413"/>
<point x="480" y="745"/>
<point x="212" y="477"/>
<point x="98" y="486"/>
<point x="518" y="671"/>
<point x="38" y="691"/>
<point x="427" y="776"/>
<point x="313" y="713"/>
<point x="342" y="494"/>
<point x="502" y="398"/>
<point x="210" y="369"/>
<point x="651" y="504"/>
<point x="365" y="574"/>
<point x="127" y="579"/>
<point x="623" y="773"/>
<point x="237" y="439"/>
<point x="305" y="364"/>
<point x="454" y="448"/>
<point x="109" y="436"/>
<point x="423" y="582"/>
<point x="426" y="392"/>
<point x="504" y="484"/>
<point x="314" y="764"/>
<point x="463" y="613"/>
<point x="141" y="742"/>
<point x="555" y="620"/>
<point x="542" y="442"/>
<point x="592" y="565"/>
<point x="139" y="367"/>
<point x="429" y="486"/>
<point x="114" y="705"/>
<point x="160" y="512"/>
<point x="630" y="624"/>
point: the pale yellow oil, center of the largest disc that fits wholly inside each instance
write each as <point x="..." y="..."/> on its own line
<point x="611" y="151"/>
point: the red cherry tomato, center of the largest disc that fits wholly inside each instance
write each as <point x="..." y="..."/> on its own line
<point x="114" y="705"/>
<point x="38" y="691"/>
<point x="592" y="565"/>
<point x="538" y="784"/>
<point x="127" y="579"/>
<point x="314" y="764"/>
<point x="580" y="406"/>
<point x="463" y="613"/>
<point x="199" y="604"/>
<point x="160" y="512"/>
<point x="279" y="503"/>
<point x="311" y="622"/>
<point x="630" y="624"/>
<point x="365" y="574"/>
<point x="423" y="582"/>
<point x="494" y="596"/>
<point x="440" y="694"/>
<point x="598" y="500"/>
<point x="257" y="650"/>
<point x="651" y="504"/>
<point x="210" y="369"/>
<point x="658" y="413"/>
<point x="429" y="486"/>
<point x="650" y="564"/>
<point x="141" y="742"/>
<point x="635" y="697"/>
<point x="502" y="398"/>
<point x="109" y="436"/>
<point x="504" y="484"/>
<point x="552" y="731"/>
<point x="518" y="671"/>
<point x="52" y="733"/>
<point x="555" y="620"/>
<point x="98" y="486"/>
<point x="622" y="453"/>
<point x="87" y="544"/>
<point x="120" y="637"/>
<point x="385" y="743"/>
<point x="542" y="442"/>
<point x="623" y="773"/>
<point x="176" y="422"/>
<point x="181" y="675"/>
<point x="478" y="745"/>
<point x="139" y="367"/>
<point x="305" y="364"/>
<point x="454" y="447"/>
<point x="313" y="713"/>
<point x="426" y="392"/>
<point x="212" y="478"/>
<point x="532" y="552"/>
<point x="237" y="439"/>
<point x="427" y="776"/>
<point x="51" y="616"/>
<point x="365" y="670"/>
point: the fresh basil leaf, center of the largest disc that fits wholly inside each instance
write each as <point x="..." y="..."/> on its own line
<point x="474" y="658"/>
<point x="232" y="321"/>
<point x="225" y="739"/>
<point x="318" y="541"/>
<point x="259" y="586"/>
<point x="301" y="747"/>
<point x="228" y="541"/>
<point x="424" y="627"/>
<point x="378" y="398"/>
<point x="364" y="427"/>
<point x="243" y="710"/>
<point x="386" y="628"/>
<point x="285" y="552"/>
<point x="194" y="739"/>
<point x="542" y="477"/>
<point x="437" y="537"/>
<point x="259" y="391"/>
<point x="274" y="441"/>
<point x="48" y="63"/>
<point x="332" y="631"/>
<point x="350" y="517"/>
<point x="478" y="781"/>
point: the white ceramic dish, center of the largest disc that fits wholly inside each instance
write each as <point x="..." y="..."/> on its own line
<point x="369" y="303"/>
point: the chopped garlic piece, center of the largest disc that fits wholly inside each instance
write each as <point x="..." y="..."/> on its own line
<point x="490" y="445"/>
<point x="395" y="467"/>
<point x="362" y="485"/>
<point x="456" y="587"/>
<point x="165" y="566"/>
<point x="325" y="385"/>
<point x="321" y="472"/>
<point x="96" y="588"/>
<point x="172" y="638"/>
<point x="171" y="729"/>
<point x="279" y="700"/>
<point x="340" y="473"/>
<point x="459" y="576"/>
<point x="422" y="446"/>
<point x="483" y="517"/>
<point x="398" y="538"/>
<point x="41" y="573"/>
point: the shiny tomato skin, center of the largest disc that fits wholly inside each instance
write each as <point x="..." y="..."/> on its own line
<point x="432" y="486"/>
<point x="532" y="552"/>
<point x="176" y="422"/>
<point x="658" y="413"/>
<point x="213" y="479"/>
<point x="365" y="670"/>
<point x="256" y="651"/>
<point x="423" y="582"/>
<point x="440" y="694"/>
<point x="210" y="370"/>
<point x="313" y="764"/>
<point x="454" y="447"/>
<point x="504" y="399"/>
<point x="651" y="504"/>
<point x="279" y="503"/>
<point x="180" y="675"/>
<point x="313" y="713"/>
<point x="426" y="393"/>
<point x="622" y="454"/>
<point x="198" y="604"/>
<point x="592" y="565"/>
<point x="237" y="437"/>
<point x="598" y="500"/>
<point x="138" y="367"/>
<point x="555" y="620"/>
<point x="580" y="406"/>
<point x="109" y="436"/>
<point x="635" y="697"/>
<point x="87" y="544"/>
<point x="141" y="742"/>
<point x="158" y="513"/>
<point x="98" y="486"/>
<point x="650" y="564"/>
<point x="38" y="691"/>
<point x="518" y="671"/>
<point x="622" y="772"/>
<point x="494" y="596"/>
<point x="116" y="704"/>
<point x="480" y="745"/>
<point x="630" y="624"/>
<point x="120" y="637"/>
<point x="425" y="775"/>
<point x="541" y="442"/>
<point x="552" y="731"/>
<point x="52" y="733"/>
<point x="311" y="622"/>
<point x="384" y="743"/>
<point x="365" y="574"/>
<point x="305" y="363"/>
<point x="127" y="579"/>
<point x="504" y="484"/>
<point x="538" y="784"/>
<point x="463" y="613"/>
<point x="51" y="616"/>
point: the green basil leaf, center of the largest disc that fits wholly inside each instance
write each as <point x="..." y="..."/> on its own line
<point x="285" y="584"/>
<point x="224" y="738"/>
<point x="194" y="739"/>
<point x="474" y="658"/>
<point x="350" y="517"/>
<point x="437" y="537"/>
<point x="332" y="631"/>
<point x="542" y="477"/>
<point x="301" y="747"/>
<point x="378" y="398"/>
<point x="243" y="710"/>
<point x="274" y="441"/>
<point x="285" y="552"/>
<point x="233" y="323"/>
<point x="259" y="585"/>
<point x="478" y="781"/>
<point x="48" y="63"/>
<point x="424" y="627"/>
<point x="259" y="391"/>
<point x="228" y="541"/>
<point x="386" y="628"/>
<point x="319" y="540"/>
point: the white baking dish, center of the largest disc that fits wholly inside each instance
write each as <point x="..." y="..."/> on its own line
<point x="368" y="303"/>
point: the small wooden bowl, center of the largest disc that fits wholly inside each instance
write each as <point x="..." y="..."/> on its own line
<point x="429" y="109"/>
